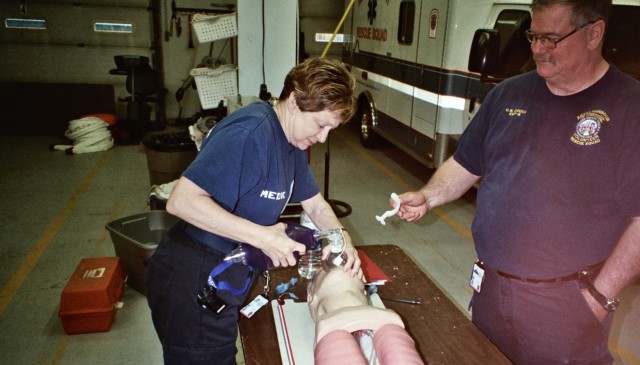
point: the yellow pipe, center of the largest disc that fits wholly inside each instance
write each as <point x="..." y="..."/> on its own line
<point x="337" y="28"/>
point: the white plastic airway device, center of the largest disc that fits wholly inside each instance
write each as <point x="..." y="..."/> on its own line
<point x="391" y="212"/>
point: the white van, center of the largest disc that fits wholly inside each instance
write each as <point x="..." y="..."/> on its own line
<point x="423" y="67"/>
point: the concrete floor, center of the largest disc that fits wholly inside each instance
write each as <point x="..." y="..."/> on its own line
<point x="55" y="208"/>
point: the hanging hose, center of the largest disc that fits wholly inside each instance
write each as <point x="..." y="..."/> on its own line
<point x="89" y="134"/>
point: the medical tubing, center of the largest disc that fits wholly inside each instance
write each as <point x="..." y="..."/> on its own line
<point x="223" y="285"/>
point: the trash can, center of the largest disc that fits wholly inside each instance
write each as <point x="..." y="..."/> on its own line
<point x="135" y="239"/>
<point x="168" y="155"/>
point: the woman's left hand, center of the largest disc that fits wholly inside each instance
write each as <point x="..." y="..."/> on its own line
<point x="353" y="259"/>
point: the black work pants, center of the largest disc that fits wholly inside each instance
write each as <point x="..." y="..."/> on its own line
<point x="190" y="334"/>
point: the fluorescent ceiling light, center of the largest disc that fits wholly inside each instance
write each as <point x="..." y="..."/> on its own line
<point x="18" y="23"/>
<point x="326" y="37"/>
<point x="113" y="27"/>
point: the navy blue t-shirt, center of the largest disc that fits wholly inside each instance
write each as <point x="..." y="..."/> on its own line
<point x="249" y="168"/>
<point x="561" y="174"/>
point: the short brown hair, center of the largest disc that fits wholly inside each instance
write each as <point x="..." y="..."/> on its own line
<point x="582" y="11"/>
<point x="321" y="84"/>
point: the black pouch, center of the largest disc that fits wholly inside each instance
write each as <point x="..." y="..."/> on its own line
<point x="208" y="299"/>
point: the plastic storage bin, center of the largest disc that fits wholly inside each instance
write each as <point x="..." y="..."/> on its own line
<point x="135" y="239"/>
<point x="209" y="28"/>
<point x="216" y="84"/>
<point x="168" y="155"/>
<point x="88" y="301"/>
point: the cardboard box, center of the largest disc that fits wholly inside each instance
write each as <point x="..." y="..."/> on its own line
<point x="88" y="301"/>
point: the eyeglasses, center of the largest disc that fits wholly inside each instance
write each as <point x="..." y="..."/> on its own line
<point x="551" y="43"/>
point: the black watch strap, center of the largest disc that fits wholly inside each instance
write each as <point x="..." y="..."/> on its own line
<point x="609" y="304"/>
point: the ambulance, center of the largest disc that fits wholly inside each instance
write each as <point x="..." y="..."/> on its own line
<point x="423" y="67"/>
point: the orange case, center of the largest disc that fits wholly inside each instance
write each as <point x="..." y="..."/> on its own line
<point x="88" y="301"/>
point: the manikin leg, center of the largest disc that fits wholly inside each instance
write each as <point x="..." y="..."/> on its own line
<point x="394" y="346"/>
<point x="338" y="348"/>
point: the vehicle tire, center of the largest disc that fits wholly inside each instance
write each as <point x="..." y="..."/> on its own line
<point x="367" y="121"/>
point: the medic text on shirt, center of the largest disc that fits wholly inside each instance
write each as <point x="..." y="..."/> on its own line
<point x="273" y="195"/>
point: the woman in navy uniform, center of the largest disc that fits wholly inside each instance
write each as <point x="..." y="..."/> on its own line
<point x="250" y="166"/>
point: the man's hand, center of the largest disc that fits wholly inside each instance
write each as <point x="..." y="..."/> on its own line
<point x="413" y="206"/>
<point x="597" y="309"/>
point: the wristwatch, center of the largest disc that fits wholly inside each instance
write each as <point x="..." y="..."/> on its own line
<point x="609" y="304"/>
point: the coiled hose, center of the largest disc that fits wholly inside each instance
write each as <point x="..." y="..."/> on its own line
<point x="89" y="134"/>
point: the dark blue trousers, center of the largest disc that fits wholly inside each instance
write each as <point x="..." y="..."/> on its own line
<point x="190" y="334"/>
<point x="542" y="323"/>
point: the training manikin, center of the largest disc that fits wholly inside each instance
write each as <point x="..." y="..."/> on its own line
<point x="343" y="316"/>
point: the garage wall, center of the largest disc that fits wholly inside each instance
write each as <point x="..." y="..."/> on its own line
<point x="70" y="52"/>
<point x="320" y="19"/>
<point x="179" y="58"/>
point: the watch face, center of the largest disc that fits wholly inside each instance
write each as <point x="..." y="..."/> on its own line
<point x="611" y="305"/>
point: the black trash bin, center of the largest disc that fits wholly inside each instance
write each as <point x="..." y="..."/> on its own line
<point x="168" y="155"/>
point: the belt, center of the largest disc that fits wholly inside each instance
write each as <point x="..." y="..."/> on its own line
<point x="575" y="276"/>
<point x="216" y="242"/>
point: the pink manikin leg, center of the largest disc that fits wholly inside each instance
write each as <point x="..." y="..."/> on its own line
<point x="394" y="346"/>
<point x="338" y="348"/>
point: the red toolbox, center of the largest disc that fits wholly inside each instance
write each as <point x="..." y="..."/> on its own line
<point x="88" y="301"/>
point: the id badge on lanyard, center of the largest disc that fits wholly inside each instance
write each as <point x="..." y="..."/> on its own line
<point x="477" y="276"/>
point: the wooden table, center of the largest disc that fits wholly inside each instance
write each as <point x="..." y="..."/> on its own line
<point x="443" y="335"/>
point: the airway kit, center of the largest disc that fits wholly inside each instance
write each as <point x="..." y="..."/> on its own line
<point x="88" y="301"/>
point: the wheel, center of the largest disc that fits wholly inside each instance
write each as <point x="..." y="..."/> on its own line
<point x="368" y="121"/>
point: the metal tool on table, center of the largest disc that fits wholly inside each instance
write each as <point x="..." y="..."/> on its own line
<point x="373" y="289"/>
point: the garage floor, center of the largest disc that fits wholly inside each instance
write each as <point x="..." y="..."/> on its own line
<point x="55" y="208"/>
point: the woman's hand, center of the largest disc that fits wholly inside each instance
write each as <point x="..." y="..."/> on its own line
<point x="279" y="247"/>
<point x="353" y="262"/>
<point x="353" y="259"/>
